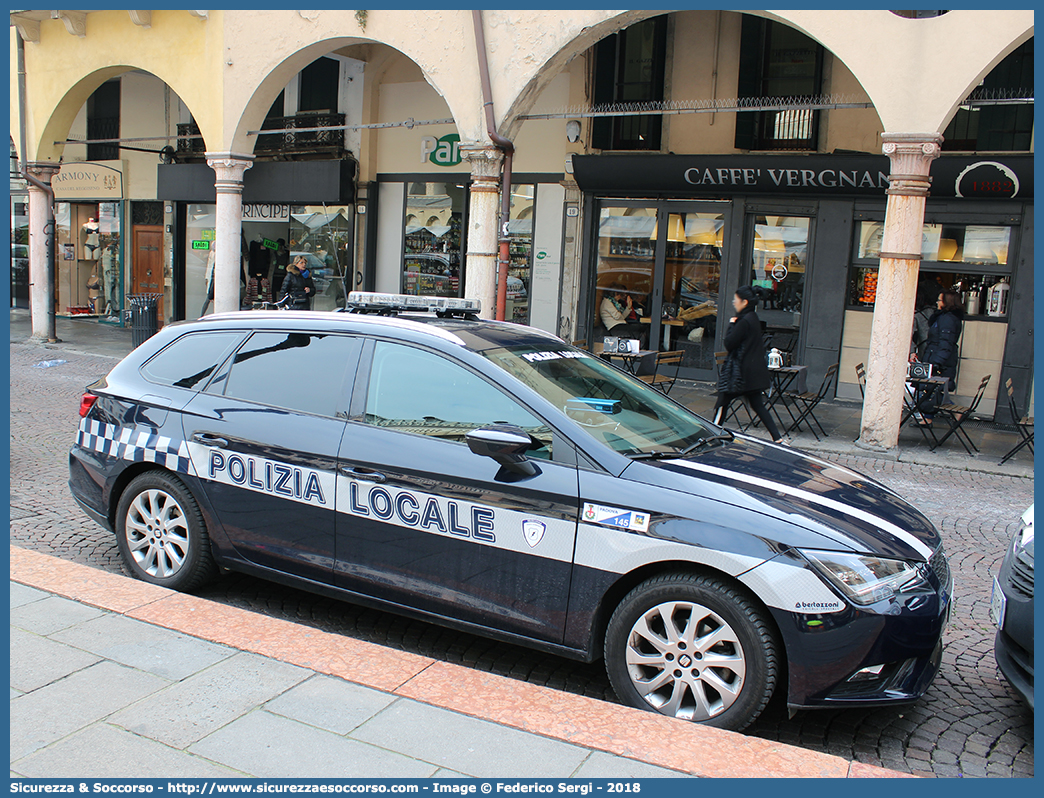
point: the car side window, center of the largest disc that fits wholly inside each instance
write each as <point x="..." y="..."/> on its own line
<point x="423" y="393"/>
<point x="190" y="360"/>
<point x="299" y="371"/>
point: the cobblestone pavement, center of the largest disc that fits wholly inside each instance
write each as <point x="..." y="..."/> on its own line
<point x="969" y="723"/>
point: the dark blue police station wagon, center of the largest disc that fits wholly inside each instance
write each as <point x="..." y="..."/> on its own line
<point x="490" y="477"/>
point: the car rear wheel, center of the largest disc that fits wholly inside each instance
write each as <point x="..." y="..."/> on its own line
<point x="161" y="533"/>
<point x="693" y="647"/>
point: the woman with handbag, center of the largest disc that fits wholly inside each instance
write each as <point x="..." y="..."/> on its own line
<point x="941" y="349"/>
<point x="745" y="374"/>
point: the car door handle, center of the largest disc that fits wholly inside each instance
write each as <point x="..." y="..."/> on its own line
<point x="209" y="440"/>
<point x="365" y="474"/>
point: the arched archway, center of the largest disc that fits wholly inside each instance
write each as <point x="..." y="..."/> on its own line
<point x="49" y="145"/>
<point x="112" y="230"/>
<point x="700" y="59"/>
<point x="932" y="63"/>
<point x="257" y="103"/>
<point x="984" y="73"/>
<point x="917" y="87"/>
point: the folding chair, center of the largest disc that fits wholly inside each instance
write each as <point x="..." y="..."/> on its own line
<point x="661" y="381"/>
<point x="807" y="403"/>
<point x="860" y="371"/>
<point x="719" y="359"/>
<point x="645" y="366"/>
<point x="958" y="414"/>
<point x="1024" y="424"/>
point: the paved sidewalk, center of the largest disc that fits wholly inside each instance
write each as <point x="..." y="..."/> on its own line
<point x="841" y="420"/>
<point x="112" y="677"/>
<point x="82" y="336"/>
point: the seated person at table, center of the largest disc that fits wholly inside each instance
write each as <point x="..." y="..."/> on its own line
<point x="619" y="315"/>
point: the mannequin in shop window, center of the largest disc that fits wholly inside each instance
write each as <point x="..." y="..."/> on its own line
<point x="90" y="240"/>
<point x="109" y="253"/>
<point x="260" y="261"/>
<point x="260" y="258"/>
<point x="94" y="290"/>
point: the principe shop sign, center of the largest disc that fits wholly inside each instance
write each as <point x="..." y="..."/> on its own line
<point x="987" y="177"/>
<point x="265" y="212"/>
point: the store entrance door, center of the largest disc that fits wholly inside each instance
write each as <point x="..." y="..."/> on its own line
<point x="659" y="276"/>
<point x="147" y="277"/>
<point x="776" y="254"/>
<point x="684" y="310"/>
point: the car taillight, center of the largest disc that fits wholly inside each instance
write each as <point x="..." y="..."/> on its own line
<point x="86" y="403"/>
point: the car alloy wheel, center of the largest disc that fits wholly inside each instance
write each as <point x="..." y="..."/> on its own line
<point x="685" y="660"/>
<point x="157" y="533"/>
<point x="693" y="646"/>
<point x="161" y="532"/>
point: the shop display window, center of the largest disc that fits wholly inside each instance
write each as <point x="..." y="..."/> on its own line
<point x="88" y="260"/>
<point x="432" y="256"/>
<point x="946" y="243"/>
<point x="969" y="259"/>
<point x="19" y="251"/>
<point x="323" y="236"/>
<point x="974" y="288"/>
<point x="520" y="232"/>
<point x="200" y="227"/>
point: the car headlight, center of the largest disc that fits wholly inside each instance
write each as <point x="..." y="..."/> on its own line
<point x="1024" y="537"/>
<point x="864" y="578"/>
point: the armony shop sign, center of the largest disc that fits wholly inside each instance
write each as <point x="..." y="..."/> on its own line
<point x="988" y="177"/>
<point x="88" y="180"/>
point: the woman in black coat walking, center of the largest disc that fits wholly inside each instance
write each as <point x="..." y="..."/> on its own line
<point x="745" y="374"/>
<point x="944" y="331"/>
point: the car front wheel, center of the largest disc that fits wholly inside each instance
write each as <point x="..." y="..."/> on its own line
<point x="693" y="647"/>
<point x="161" y="533"/>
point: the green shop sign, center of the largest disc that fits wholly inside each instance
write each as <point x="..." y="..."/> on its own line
<point x="441" y="152"/>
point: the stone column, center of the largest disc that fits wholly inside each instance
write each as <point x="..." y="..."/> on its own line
<point x="41" y="277"/>
<point x="911" y="157"/>
<point x="228" y="170"/>
<point x="480" y="280"/>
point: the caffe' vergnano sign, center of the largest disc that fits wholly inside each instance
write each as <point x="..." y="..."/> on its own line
<point x="87" y="181"/>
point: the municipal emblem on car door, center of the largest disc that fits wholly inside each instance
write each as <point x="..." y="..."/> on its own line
<point x="533" y="531"/>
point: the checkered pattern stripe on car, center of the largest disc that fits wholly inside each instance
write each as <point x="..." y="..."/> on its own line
<point x="137" y="446"/>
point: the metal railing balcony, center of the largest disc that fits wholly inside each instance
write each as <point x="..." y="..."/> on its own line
<point x="296" y="137"/>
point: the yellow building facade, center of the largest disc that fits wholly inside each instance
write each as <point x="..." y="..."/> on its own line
<point x="377" y="164"/>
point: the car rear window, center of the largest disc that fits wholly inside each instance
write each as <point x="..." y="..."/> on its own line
<point x="299" y="371"/>
<point x="190" y="360"/>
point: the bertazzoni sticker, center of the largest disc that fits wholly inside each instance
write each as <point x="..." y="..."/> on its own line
<point x="615" y="516"/>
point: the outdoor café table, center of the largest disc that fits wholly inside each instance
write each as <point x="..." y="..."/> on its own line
<point x="631" y="359"/>
<point x="786" y="378"/>
<point x="923" y="388"/>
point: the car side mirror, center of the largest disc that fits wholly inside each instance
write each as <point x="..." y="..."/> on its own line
<point x="504" y="443"/>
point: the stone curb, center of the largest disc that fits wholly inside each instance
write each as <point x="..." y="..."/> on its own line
<point x="623" y="731"/>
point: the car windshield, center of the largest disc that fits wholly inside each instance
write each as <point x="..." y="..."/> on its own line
<point x="617" y="409"/>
